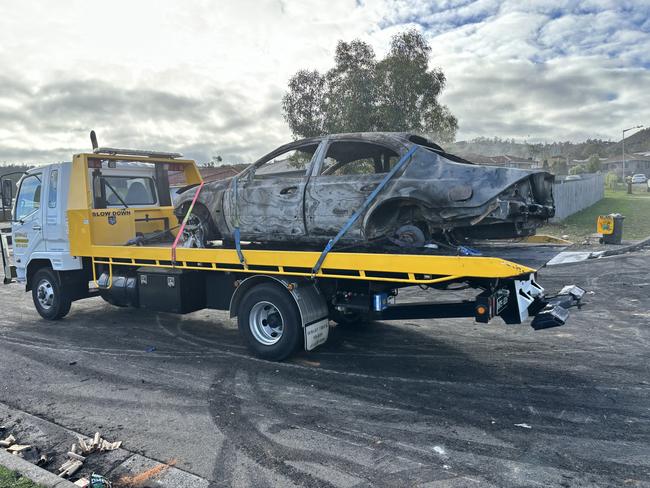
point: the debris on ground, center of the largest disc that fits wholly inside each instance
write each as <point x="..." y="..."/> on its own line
<point x="97" y="444"/>
<point x="75" y="459"/>
<point x="98" y="481"/>
<point x="138" y="480"/>
<point x="93" y="481"/>
<point x="16" y="448"/>
<point x="7" y="441"/>
<point x="70" y="467"/>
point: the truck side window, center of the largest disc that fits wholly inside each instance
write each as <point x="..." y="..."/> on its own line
<point x="29" y="197"/>
<point x="53" y="189"/>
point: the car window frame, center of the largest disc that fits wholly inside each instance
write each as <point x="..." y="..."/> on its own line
<point x="249" y="173"/>
<point x="400" y="149"/>
<point x="22" y="181"/>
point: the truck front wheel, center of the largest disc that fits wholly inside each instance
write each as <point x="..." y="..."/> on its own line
<point x="269" y="321"/>
<point x="52" y="302"/>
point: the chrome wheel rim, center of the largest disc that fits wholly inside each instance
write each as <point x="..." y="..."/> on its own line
<point x="266" y="323"/>
<point x="45" y="294"/>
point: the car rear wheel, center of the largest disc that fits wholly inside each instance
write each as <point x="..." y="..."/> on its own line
<point x="409" y="236"/>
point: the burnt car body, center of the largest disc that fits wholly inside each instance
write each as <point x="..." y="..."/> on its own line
<point x="306" y="191"/>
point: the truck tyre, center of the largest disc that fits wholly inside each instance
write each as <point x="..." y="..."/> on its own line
<point x="269" y="321"/>
<point x="52" y="301"/>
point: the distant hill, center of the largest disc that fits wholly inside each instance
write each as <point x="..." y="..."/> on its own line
<point x="639" y="141"/>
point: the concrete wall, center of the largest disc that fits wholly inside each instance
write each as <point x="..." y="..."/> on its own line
<point x="575" y="195"/>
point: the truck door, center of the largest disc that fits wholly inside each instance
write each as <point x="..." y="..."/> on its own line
<point x="27" y="225"/>
<point x="54" y="206"/>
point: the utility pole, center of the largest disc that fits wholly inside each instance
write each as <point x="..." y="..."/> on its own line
<point x="623" y="143"/>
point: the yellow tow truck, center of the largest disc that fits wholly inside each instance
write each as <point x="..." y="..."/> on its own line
<point x="104" y="225"/>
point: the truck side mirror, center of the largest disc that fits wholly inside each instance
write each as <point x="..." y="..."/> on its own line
<point x="7" y="193"/>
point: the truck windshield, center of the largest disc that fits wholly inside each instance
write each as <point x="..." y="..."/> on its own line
<point x="29" y="197"/>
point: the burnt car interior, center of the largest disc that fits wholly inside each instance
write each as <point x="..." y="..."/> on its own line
<point x="357" y="158"/>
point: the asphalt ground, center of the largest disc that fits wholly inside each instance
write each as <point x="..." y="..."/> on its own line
<point x="435" y="403"/>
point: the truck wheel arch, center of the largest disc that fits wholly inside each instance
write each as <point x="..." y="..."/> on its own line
<point x="32" y="267"/>
<point x="251" y="281"/>
<point x="311" y="303"/>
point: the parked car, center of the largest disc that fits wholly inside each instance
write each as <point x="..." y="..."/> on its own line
<point x="639" y="178"/>
<point x="306" y="191"/>
<point x="573" y="178"/>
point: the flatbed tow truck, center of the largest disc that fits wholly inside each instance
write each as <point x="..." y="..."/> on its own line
<point x="104" y="225"/>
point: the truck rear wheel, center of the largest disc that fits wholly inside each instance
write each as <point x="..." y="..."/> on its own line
<point x="269" y="321"/>
<point x="51" y="300"/>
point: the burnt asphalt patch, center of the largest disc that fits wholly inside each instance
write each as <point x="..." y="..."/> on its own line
<point x="413" y="403"/>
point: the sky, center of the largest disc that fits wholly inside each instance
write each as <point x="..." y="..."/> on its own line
<point x="206" y="78"/>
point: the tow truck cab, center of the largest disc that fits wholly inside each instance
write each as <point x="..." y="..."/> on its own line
<point x="40" y="225"/>
<point x="104" y="225"/>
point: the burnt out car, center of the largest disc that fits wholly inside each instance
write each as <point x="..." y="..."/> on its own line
<point x="306" y="191"/>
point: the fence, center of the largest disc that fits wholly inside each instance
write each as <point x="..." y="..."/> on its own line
<point x="575" y="195"/>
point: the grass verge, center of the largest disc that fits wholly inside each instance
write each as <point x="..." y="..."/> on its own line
<point x="635" y="208"/>
<point x="11" y="479"/>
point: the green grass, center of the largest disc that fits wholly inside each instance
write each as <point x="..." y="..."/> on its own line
<point x="10" y="479"/>
<point x="635" y="208"/>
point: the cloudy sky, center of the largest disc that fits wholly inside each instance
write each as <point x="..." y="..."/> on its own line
<point x="206" y="77"/>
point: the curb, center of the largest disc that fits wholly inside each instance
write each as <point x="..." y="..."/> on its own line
<point x="33" y="472"/>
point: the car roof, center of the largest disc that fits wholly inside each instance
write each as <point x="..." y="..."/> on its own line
<point x="378" y="136"/>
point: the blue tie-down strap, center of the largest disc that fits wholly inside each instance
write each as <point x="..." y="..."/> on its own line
<point x="362" y="209"/>
<point x="468" y="251"/>
<point x="238" y="247"/>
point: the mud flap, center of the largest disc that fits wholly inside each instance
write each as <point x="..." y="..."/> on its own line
<point x="313" y="313"/>
<point x="316" y="334"/>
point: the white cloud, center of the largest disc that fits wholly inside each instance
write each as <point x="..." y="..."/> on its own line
<point x="207" y="78"/>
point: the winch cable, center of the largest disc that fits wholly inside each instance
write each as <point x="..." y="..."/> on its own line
<point x="187" y="216"/>
<point x="364" y="206"/>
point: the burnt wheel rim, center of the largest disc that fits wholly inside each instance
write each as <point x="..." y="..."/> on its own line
<point x="266" y="323"/>
<point x="45" y="294"/>
<point x="193" y="233"/>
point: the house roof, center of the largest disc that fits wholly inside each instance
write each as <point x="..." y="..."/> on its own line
<point x="628" y="157"/>
<point x="210" y="173"/>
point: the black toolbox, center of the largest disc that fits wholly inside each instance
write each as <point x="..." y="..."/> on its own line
<point x="171" y="290"/>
